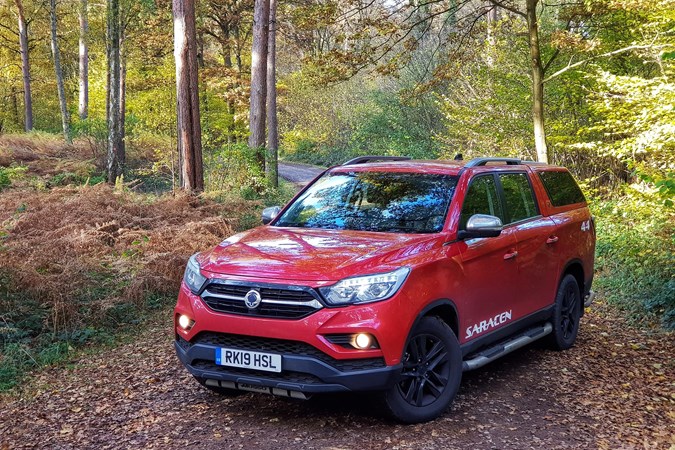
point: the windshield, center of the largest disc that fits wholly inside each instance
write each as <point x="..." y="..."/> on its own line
<point x="373" y="201"/>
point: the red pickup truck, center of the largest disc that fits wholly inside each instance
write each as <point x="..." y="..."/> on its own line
<point x="391" y="275"/>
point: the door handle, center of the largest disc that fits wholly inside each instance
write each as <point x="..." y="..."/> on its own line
<point x="511" y="255"/>
<point x="552" y="240"/>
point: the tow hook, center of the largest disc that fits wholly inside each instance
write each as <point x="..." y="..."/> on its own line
<point x="589" y="299"/>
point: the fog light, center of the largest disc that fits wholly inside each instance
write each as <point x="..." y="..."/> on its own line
<point x="362" y="341"/>
<point x="185" y="322"/>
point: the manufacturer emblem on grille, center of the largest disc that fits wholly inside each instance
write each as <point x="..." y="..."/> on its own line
<point x="252" y="299"/>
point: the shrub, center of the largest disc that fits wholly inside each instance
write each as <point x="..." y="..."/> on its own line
<point x="635" y="260"/>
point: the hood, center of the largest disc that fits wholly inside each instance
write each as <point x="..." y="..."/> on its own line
<point x="313" y="254"/>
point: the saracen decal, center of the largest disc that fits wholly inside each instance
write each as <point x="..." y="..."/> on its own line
<point x="485" y="325"/>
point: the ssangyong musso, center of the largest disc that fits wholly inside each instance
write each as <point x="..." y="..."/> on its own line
<point x="391" y="275"/>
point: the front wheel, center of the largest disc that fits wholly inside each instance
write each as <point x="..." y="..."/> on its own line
<point x="566" y="314"/>
<point x="431" y="374"/>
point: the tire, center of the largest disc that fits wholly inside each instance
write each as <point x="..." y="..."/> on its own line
<point x="566" y="314"/>
<point x="225" y="392"/>
<point x="431" y="374"/>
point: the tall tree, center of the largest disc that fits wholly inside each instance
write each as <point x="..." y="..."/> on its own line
<point x="537" y="67"/>
<point x="271" y="162"/>
<point x="116" y="157"/>
<point x="187" y="96"/>
<point x="256" y="140"/>
<point x="65" y="120"/>
<point x="25" y="66"/>
<point x="83" y="106"/>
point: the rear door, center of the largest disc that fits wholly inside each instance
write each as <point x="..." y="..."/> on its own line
<point x="536" y="244"/>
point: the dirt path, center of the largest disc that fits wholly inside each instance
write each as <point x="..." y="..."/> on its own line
<point x="615" y="389"/>
<point x="297" y="173"/>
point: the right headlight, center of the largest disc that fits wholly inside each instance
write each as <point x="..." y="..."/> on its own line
<point x="193" y="277"/>
<point x="365" y="289"/>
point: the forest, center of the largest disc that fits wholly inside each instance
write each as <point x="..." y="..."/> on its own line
<point x="136" y="132"/>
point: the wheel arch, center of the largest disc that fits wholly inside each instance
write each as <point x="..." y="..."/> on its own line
<point x="443" y="308"/>
<point x="576" y="269"/>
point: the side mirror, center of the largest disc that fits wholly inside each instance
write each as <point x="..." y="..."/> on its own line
<point x="269" y="214"/>
<point x="480" y="226"/>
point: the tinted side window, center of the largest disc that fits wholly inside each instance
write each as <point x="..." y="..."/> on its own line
<point x="518" y="196"/>
<point x="561" y="188"/>
<point x="481" y="198"/>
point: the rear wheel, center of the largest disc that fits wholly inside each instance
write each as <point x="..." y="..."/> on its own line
<point x="431" y="374"/>
<point x="566" y="314"/>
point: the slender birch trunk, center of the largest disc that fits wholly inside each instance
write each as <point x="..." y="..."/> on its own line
<point x="65" y="120"/>
<point x="537" y="82"/>
<point x="83" y="105"/>
<point x="25" y="67"/>
<point x="272" y="160"/>
<point x="115" y="159"/>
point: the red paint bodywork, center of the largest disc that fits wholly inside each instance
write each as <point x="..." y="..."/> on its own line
<point x="472" y="274"/>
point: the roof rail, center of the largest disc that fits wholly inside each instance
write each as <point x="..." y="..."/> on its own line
<point x="366" y="159"/>
<point x="476" y="162"/>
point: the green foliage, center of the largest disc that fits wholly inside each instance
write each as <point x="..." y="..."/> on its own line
<point x="634" y="121"/>
<point x="636" y="255"/>
<point x="26" y="345"/>
<point x="329" y="124"/>
<point x="486" y="103"/>
<point x="11" y="174"/>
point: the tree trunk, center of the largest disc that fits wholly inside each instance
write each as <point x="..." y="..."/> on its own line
<point x="59" y="72"/>
<point x="537" y="82"/>
<point x="25" y="68"/>
<point x="492" y="18"/>
<point x="83" y="106"/>
<point x="191" y="172"/>
<point x="115" y="153"/>
<point x="256" y="140"/>
<point x="227" y="59"/>
<point x="272" y="160"/>
<point x="15" y="108"/>
<point x="122" y="129"/>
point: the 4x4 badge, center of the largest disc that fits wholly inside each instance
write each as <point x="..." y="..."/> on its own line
<point x="252" y="299"/>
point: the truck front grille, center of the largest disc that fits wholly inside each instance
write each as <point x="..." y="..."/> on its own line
<point x="292" y="302"/>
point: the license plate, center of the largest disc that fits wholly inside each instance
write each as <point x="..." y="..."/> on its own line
<point x="248" y="360"/>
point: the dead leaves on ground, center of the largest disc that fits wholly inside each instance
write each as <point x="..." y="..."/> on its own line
<point x="614" y="389"/>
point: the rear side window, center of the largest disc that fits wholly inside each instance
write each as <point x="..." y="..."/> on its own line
<point x="481" y="198"/>
<point x="561" y="188"/>
<point x="520" y="204"/>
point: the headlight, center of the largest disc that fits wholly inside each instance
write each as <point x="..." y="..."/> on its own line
<point x="193" y="278"/>
<point x="366" y="289"/>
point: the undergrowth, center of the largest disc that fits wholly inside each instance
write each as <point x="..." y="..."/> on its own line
<point x="635" y="259"/>
<point x="81" y="260"/>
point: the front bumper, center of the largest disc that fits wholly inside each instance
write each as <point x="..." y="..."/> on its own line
<point x="308" y="373"/>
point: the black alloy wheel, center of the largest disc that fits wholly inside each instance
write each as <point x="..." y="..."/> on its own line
<point x="566" y="314"/>
<point x="431" y="373"/>
<point x="426" y="369"/>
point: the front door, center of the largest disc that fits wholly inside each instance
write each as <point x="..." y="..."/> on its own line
<point x="489" y="271"/>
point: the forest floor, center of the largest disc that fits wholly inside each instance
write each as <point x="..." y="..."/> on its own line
<point x="614" y="389"/>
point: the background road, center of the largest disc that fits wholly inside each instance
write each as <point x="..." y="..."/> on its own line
<point x="298" y="174"/>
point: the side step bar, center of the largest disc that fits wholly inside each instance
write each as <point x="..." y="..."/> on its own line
<point x="506" y="347"/>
